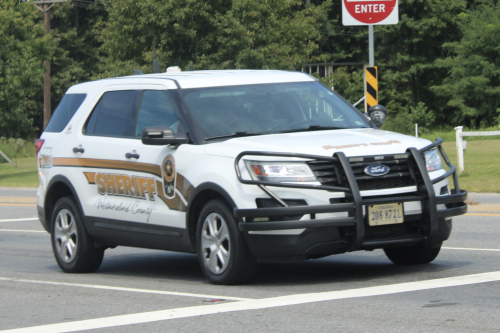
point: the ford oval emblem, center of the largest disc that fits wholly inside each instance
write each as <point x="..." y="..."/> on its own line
<point x="377" y="170"/>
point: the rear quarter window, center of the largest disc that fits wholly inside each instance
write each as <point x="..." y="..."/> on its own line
<point x="64" y="112"/>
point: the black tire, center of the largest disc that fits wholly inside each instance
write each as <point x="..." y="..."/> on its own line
<point x="73" y="248"/>
<point x="412" y="255"/>
<point x="231" y="262"/>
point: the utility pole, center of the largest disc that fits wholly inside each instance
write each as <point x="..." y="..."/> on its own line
<point x="45" y="6"/>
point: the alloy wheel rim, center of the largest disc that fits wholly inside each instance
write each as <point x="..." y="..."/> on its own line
<point x="215" y="243"/>
<point x="66" y="236"/>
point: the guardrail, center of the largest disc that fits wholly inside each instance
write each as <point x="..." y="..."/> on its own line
<point x="461" y="145"/>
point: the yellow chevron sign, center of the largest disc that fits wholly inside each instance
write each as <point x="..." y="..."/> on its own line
<point x="371" y="86"/>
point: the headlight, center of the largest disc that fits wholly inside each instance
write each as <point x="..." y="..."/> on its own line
<point x="433" y="160"/>
<point x="280" y="171"/>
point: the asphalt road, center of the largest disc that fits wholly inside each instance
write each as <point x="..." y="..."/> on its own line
<point x="155" y="291"/>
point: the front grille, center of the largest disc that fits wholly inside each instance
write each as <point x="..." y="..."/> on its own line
<point x="325" y="172"/>
<point x="332" y="174"/>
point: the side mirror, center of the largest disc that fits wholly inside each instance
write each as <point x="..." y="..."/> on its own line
<point x="377" y="114"/>
<point x="161" y="136"/>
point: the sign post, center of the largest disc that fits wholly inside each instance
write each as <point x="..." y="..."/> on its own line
<point x="371" y="46"/>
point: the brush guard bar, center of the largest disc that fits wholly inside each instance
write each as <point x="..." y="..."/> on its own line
<point x="454" y="201"/>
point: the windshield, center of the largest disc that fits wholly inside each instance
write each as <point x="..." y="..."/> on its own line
<point x="270" y="108"/>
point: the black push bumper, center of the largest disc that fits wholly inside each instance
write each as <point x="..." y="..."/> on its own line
<point x="432" y="221"/>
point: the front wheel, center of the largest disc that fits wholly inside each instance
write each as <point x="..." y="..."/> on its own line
<point x="222" y="252"/>
<point x="73" y="248"/>
<point x="412" y="255"/>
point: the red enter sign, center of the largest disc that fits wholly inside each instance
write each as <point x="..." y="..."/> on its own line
<point x="370" y="11"/>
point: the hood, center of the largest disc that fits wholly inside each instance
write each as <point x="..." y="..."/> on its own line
<point x="353" y="142"/>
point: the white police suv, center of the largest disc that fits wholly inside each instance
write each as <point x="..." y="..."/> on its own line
<point x="239" y="167"/>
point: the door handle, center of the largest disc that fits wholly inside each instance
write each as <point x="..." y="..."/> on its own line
<point x="132" y="155"/>
<point x="78" y="149"/>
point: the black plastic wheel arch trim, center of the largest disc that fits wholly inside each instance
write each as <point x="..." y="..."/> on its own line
<point x="53" y="181"/>
<point x="190" y="211"/>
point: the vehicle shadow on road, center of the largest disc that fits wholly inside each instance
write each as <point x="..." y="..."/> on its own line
<point x="160" y="264"/>
<point x="347" y="267"/>
<point x="340" y="268"/>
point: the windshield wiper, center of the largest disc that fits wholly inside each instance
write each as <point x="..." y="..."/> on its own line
<point x="312" y="128"/>
<point x="234" y="135"/>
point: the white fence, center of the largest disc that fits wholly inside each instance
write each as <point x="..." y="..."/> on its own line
<point x="461" y="145"/>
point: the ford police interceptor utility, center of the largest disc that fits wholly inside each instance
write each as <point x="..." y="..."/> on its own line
<point x="240" y="167"/>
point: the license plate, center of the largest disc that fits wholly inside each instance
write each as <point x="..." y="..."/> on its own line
<point x="385" y="214"/>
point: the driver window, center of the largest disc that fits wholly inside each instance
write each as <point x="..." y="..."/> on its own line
<point x="156" y="110"/>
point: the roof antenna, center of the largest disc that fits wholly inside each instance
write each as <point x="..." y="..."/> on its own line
<point x="138" y="72"/>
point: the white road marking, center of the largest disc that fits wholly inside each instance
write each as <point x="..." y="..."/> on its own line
<point x="470" y="249"/>
<point x="146" y="291"/>
<point x="14" y="230"/>
<point x="17" y="220"/>
<point x="257" y="304"/>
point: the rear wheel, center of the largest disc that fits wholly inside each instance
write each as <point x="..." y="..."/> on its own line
<point x="412" y="255"/>
<point x="222" y="252"/>
<point x="73" y="248"/>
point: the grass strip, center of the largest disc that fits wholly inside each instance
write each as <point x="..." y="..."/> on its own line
<point x="481" y="161"/>
<point x="25" y="175"/>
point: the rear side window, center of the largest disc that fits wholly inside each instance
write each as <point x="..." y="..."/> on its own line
<point x="114" y="115"/>
<point x="64" y="112"/>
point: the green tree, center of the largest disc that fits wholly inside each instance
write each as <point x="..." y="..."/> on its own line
<point x="339" y="43"/>
<point x="71" y="48"/>
<point x="406" y="54"/>
<point x="23" y="49"/>
<point x="216" y="34"/>
<point x="75" y="33"/>
<point x="472" y="86"/>
<point x="266" y="34"/>
<point x="178" y="30"/>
